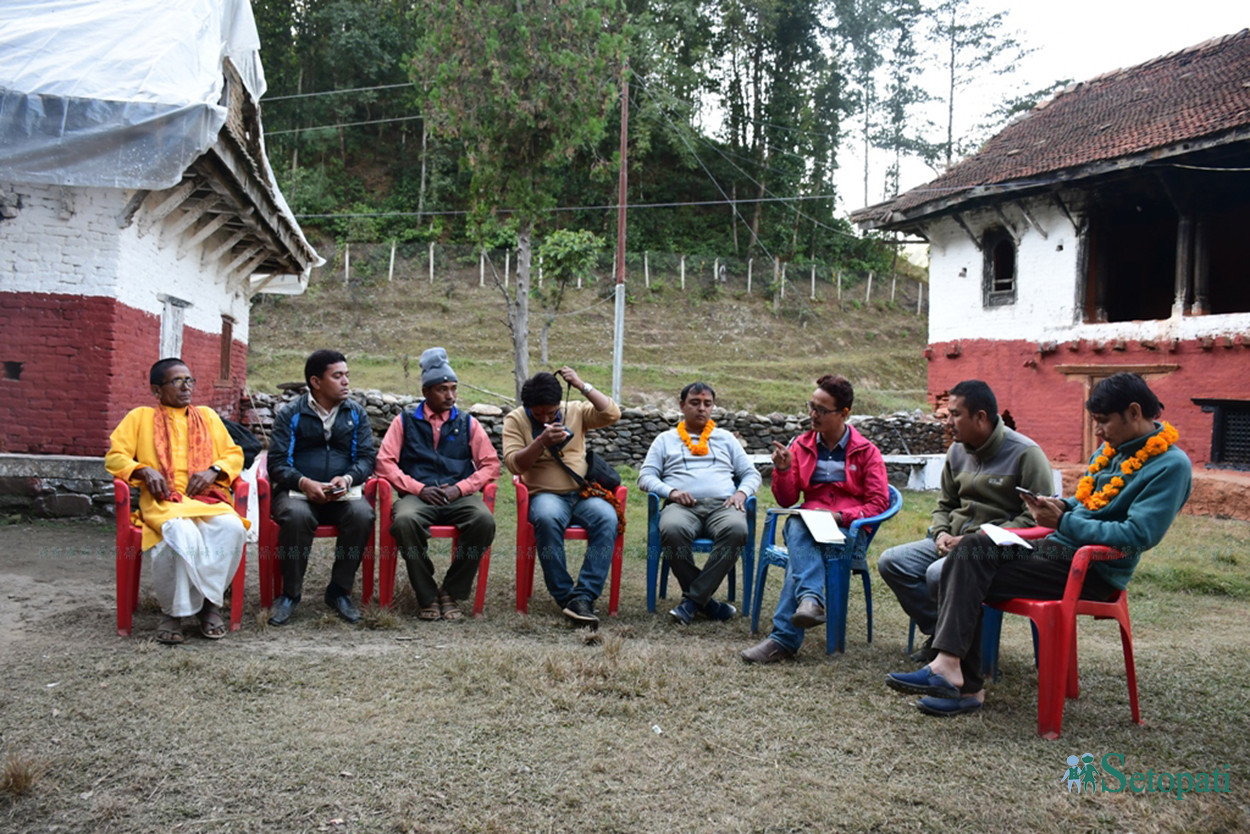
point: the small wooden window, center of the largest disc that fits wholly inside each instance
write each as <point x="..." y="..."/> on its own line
<point x="998" y="284"/>
<point x="227" y="345"/>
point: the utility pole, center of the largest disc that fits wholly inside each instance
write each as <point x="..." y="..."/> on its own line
<point x="618" y="336"/>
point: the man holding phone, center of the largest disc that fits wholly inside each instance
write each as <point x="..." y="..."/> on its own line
<point x="320" y="454"/>
<point x="1135" y="485"/>
<point x="985" y="465"/>
<point x="542" y="442"/>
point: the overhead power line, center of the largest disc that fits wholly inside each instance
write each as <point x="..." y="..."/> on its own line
<point x="268" y="99"/>
<point x="343" y="124"/>
<point x="606" y="207"/>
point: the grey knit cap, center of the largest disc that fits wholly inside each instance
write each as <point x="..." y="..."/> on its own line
<point x="434" y="368"/>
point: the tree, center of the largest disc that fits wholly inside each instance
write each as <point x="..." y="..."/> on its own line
<point x="523" y="84"/>
<point x="971" y="43"/>
<point x="563" y="256"/>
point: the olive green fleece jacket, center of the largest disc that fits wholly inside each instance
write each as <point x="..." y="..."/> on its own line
<point x="979" y="485"/>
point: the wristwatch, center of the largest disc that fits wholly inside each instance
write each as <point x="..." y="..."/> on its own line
<point x="218" y="470"/>
<point x="587" y="388"/>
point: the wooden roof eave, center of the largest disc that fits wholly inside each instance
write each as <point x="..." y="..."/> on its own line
<point x="913" y="219"/>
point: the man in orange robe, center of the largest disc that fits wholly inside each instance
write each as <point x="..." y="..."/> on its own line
<point x="183" y="461"/>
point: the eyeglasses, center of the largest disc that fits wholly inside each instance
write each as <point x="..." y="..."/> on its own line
<point x="181" y="382"/>
<point x="820" y="410"/>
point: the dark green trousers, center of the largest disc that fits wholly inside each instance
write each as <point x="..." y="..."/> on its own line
<point x="411" y="520"/>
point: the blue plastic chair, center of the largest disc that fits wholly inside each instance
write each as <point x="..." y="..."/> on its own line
<point x="657" y="567"/>
<point x="840" y="563"/>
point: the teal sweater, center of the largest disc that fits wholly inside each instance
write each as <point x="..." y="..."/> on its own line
<point x="1137" y="518"/>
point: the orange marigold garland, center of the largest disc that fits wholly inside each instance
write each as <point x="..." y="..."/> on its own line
<point x="697" y="449"/>
<point x="1156" y="445"/>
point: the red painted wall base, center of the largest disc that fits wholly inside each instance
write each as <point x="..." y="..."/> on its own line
<point x="74" y="365"/>
<point x="1045" y="391"/>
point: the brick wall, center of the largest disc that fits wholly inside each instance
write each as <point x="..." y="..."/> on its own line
<point x="1048" y="404"/>
<point x="80" y="316"/>
<point x="83" y="364"/>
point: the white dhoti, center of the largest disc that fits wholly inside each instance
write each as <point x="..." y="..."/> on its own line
<point x="196" y="559"/>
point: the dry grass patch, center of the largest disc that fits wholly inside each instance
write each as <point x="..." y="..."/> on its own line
<point x="20" y="775"/>
<point x="516" y="723"/>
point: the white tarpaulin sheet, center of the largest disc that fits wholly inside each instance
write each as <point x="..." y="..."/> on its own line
<point x="120" y="93"/>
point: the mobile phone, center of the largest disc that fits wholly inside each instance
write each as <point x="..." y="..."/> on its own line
<point x="336" y="489"/>
<point x="1028" y="492"/>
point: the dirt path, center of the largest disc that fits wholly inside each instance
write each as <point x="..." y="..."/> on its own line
<point x="49" y="569"/>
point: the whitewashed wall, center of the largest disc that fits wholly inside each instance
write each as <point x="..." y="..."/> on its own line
<point x="1046" y="304"/>
<point x="67" y="241"/>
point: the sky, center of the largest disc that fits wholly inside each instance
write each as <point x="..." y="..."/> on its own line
<point x="1077" y="39"/>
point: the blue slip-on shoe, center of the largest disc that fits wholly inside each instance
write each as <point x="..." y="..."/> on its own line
<point x="922" y="682"/>
<point x="947" y="707"/>
<point x="722" y="611"/>
<point x="684" y="612"/>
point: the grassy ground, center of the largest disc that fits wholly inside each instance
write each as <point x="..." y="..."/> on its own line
<point x="515" y="723"/>
<point x="757" y="359"/>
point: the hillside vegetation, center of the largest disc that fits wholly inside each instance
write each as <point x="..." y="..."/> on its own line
<point x="757" y="359"/>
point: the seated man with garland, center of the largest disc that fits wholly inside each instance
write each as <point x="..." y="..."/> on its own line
<point x="1136" y="484"/>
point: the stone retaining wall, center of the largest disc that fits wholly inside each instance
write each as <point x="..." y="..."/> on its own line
<point x="627" y="441"/>
<point x="54" y="486"/>
<point x="61" y="486"/>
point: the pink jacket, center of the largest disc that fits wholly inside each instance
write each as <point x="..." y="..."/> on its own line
<point x="863" y="494"/>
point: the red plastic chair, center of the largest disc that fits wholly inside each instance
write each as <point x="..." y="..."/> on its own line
<point x="388" y="550"/>
<point x="526" y="550"/>
<point x="1055" y="621"/>
<point x="130" y="558"/>
<point x="267" y="545"/>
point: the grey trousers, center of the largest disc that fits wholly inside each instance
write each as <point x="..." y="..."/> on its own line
<point x="913" y="572"/>
<point x="410" y="525"/>
<point x="680" y="526"/>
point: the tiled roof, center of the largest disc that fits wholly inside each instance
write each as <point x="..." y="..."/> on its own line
<point x="1201" y="91"/>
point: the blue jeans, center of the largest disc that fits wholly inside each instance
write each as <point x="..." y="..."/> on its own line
<point x="805" y="578"/>
<point x="551" y="513"/>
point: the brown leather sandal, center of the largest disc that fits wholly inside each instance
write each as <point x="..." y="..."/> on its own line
<point x="169" y="631"/>
<point x="430" y="612"/>
<point x="449" y="608"/>
<point x="212" y="626"/>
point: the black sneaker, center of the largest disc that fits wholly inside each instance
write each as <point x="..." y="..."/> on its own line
<point x="684" y="612"/>
<point x="582" y="612"/>
<point x="281" y="610"/>
<point x="925" y="654"/>
<point x="345" y="608"/>
<point x="715" y="610"/>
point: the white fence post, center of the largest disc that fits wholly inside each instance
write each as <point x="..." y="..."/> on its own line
<point x="683" y="272"/>
<point x="540" y="272"/>
<point x="813" y="282"/>
<point x="347" y="264"/>
<point x="507" y="265"/>
<point x="919" y="296"/>
<point x="749" y="262"/>
<point x="646" y="269"/>
<point x="390" y="273"/>
<point x="893" y="283"/>
<point x="839" y="285"/>
<point x="868" y="291"/>
<point x="431" y="262"/>
<point x="481" y="268"/>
